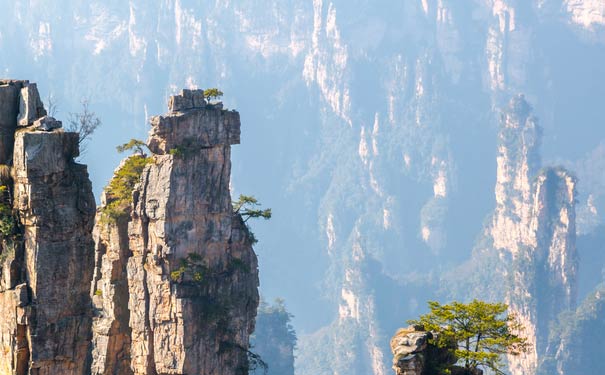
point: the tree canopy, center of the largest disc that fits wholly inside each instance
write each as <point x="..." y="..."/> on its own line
<point x="134" y="144"/>
<point x="248" y="207"/>
<point x="213" y="94"/>
<point x="84" y="123"/>
<point x="479" y="333"/>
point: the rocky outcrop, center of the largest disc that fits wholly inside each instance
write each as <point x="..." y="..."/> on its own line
<point x="574" y="350"/>
<point x="178" y="253"/>
<point x="46" y="261"/>
<point x="415" y="354"/>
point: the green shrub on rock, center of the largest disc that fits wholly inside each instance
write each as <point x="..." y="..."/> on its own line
<point x="121" y="186"/>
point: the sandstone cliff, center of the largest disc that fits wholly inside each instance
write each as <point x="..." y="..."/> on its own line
<point x="46" y="262"/>
<point x="176" y="278"/>
<point x="528" y="253"/>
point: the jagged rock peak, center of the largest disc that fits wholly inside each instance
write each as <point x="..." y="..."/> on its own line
<point x="46" y="248"/>
<point x="180" y="255"/>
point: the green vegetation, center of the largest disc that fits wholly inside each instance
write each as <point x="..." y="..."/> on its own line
<point x="478" y="333"/>
<point x="135" y="145"/>
<point x="120" y="188"/>
<point x="192" y="265"/>
<point x="119" y="191"/>
<point x="213" y="94"/>
<point x="98" y="292"/>
<point x="248" y="207"/>
<point x="178" y="152"/>
<point x="274" y="338"/>
<point x="188" y="147"/>
<point x="192" y="268"/>
<point x="8" y="221"/>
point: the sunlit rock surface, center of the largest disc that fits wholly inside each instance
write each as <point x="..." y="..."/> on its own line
<point x="47" y="263"/>
<point x="176" y="277"/>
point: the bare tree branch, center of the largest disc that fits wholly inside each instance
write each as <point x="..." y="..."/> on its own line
<point x="84" y="123"/>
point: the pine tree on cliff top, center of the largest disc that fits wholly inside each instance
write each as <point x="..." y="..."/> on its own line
<point x="478" y="333"/>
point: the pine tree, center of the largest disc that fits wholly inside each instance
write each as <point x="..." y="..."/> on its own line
<point x="479" y="333"/>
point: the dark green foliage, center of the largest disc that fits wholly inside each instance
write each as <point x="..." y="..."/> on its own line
<point x="119" y="191"/>
<point x="248" y="207"/>
<point x="192" y="269"/>
<point x="481" y="333"/>
<point x="274" y="338"/>
<point x="8" y="221"/>
<point x="213" y="94"/>
<point x="134" y="144"/>
<point x="188" y="147"/>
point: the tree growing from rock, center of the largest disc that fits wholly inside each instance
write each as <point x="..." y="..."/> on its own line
<point x="84" y="123"/>
<point x="135" y="145"/>
<point x="248" y="208"/>
<point x="213" y="94"/>
<point x="479" y="333"/>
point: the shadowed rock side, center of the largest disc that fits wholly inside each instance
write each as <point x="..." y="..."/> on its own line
<point x="184" y="257"/>
<point x="46" y="258"/>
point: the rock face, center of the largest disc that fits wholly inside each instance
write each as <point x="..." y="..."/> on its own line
<point x="180" y="256"/>
<point x="413" y="354"/>
<point x="409" y="347"/>
<point x="533" y="230"/>
<point x="46" y="257"/>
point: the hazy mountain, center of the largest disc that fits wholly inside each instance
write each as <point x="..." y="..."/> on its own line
<point x="369" y="127"/>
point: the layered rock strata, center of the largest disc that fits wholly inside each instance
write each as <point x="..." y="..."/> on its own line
<point x="46" y="257"/>
<point x="180" y="256"/>
<point x="533" y="229"/>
